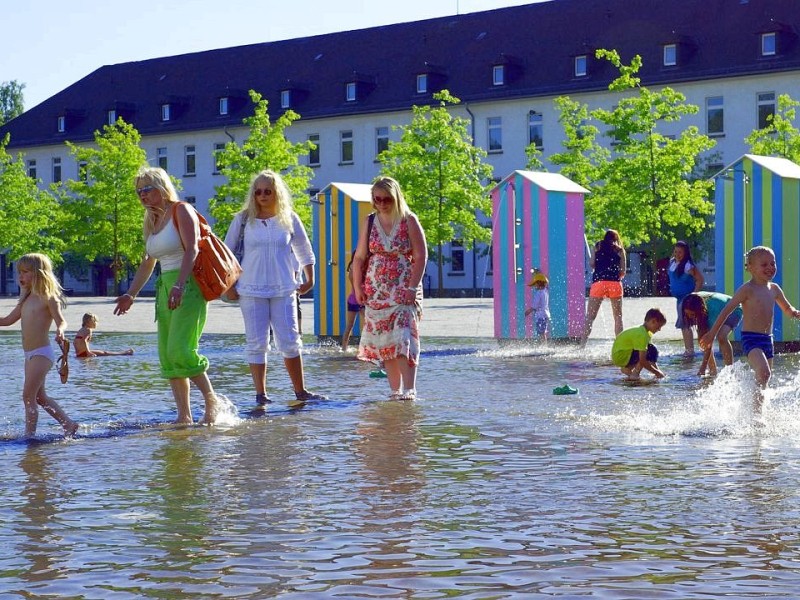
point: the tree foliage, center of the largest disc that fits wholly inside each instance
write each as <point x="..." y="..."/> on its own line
<point x="780" y="137"/>
<point x="12" y="100"/>
<point x="30" y="216"/>
<point x="266" y="147"/>
<point x="442" y="175"/>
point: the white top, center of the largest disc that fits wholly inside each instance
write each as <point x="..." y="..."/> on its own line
<point x="166" y="247"/>
<point x="273" y="257"/>
<point x="541" y="303"/>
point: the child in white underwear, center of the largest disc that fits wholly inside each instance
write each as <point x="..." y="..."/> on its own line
<point x="41" y="301"/>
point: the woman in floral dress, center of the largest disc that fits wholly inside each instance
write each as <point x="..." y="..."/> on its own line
<point x="387" y="277"/>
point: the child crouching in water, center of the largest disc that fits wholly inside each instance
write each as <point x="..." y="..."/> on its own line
<point x="632" y="350"/>
<point x="41" y="301"/>
<point x="701" y="309"/>
<point x="84" y="336"/>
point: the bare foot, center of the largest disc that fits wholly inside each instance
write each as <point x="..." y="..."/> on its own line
<point x="184" y="421"/>
<point x="212" y="412"/>
<point x="128" y="352"/>
<point x="70" y="427"/>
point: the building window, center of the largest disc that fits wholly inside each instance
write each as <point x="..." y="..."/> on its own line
<point x="286" y="98"/>
<point x="218" y="149"/>
<point x="346" y="139"/>
<point x="422" y="83"/>
<point x="769" y="45"/>
<point x="313" y="153"/>
<point x="494" y="129"/>
<point x="112" y="117"/>
<point x="56" y="170"/>
<point x="32" y="168"/>
<point x="535" y="129"/>
<point x="456" y="256"/>
<point x="381" y="140"/>
<point x="670" y="55"/>
<point x="498" y="75"/>
<point x="83" y="174"/>
<point x="189" y="162"/>
<point x="766" y="108"/>
<point x="223" y="105"/>
<point x="61" y="124"/>
<point x="350" y="92"/>
<point x="165" y="112"/>
<point x="161" y="157"/>
<point x="580" y="66"/>
<point x="715" y="117"/>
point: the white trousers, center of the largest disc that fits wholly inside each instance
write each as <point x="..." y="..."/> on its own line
<point x="280" y="314"/>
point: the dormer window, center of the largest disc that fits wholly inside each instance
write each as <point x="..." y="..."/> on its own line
<point x="165" y="112"/>
<point x="286" y="98"/>
<point x="769" y="44"/>
<point x="670" y="55"/>
<point x="422" y="83"/>
<point x="580" y="66"/>
<point x="61" y="124"/>
<point x="350" y="91"/>
<point x="499" y="75"/>
<point x="223" y="105"/>
<point x="111" y="117"/>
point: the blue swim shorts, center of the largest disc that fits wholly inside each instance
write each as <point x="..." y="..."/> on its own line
<point x="757" y="341"/>
<point x="651" y="355"/>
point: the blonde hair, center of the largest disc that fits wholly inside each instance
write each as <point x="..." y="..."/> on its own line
<point x="159" y="179"/>
<point x="44" y="282"/>
<point x="756" y="250"/>
<point x="284" y="207"/>
<point x="87" y="318"/>
<point x="392" y="187"/>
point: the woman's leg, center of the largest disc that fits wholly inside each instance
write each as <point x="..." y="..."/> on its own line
<point x="725" y="346"/>
<point x="592" y="308"/>
<point x="203" y="383"/>
<point x="256" y="315"/>
<point x="394" y="374"/>
<point x="180" y="391"/>
<point x="616" y="311"/>
<point x="688" y="341"/>
<point x="350" y="319"/>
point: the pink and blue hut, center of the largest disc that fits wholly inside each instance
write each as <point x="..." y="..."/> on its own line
<point x="338" y="212"/>
<point x="757" y="202"/>
<point x="538" y="224"/>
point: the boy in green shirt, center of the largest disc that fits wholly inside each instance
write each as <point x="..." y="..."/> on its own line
<point x="632" y="350"/>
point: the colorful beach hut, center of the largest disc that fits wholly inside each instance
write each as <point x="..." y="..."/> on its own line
<point x="538" y="223"/>
<point x="338" y="210"/>
<point x="757" y="201"/>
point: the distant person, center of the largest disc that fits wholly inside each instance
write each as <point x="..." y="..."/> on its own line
<point x="701" y="310"/>
<point x="684" y="278"/>
<point x="632" y="350"/>
<point x="757" y="298"/>
<point x="608" y="262"/>
<point x="84" y="336"/>
<point x="40" y="304"/>
<point x="540" y="306"/>
<point x="354" y="309"/>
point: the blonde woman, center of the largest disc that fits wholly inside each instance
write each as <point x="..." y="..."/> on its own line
<point x="171" y="233"/>
<point x="276" y="249"/>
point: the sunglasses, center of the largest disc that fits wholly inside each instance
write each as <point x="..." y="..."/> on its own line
<point x="265" y="191"/>
<point x="145" y="190"/>
<point x="382" y="199"/>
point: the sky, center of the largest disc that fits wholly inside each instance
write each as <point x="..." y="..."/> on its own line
<point x="50" y="44"/>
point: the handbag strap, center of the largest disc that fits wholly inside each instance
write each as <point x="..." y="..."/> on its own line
<point x="205" y="229"/>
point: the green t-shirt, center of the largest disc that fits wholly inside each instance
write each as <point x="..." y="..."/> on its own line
<point x="635" y="338"/>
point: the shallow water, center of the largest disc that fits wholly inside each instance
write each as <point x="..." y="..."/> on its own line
<point x="489" y="486"/>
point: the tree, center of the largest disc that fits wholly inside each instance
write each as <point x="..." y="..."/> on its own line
<point x="442" y="175"/>
<point x="103" y="214"/>
<point x="265" y="148"/>
<point x="29" y="215"/>
<point x="11" y="100"/>
<point x="780" y="137"/>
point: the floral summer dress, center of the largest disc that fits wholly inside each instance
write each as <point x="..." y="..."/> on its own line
<point x="391" y="328"/>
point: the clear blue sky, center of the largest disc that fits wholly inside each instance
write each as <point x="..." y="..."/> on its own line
<point x="50" y="44"/>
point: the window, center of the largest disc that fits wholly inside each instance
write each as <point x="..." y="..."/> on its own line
<point x="83" y="174"/>
<point x="218" y="148"/>
<point x="56" y="169"/>
<point x="189" y="161"/>
<point x="494" y="129"/>
<point x="670" y="55"/>
<point x="769" y="44"/>
<point x="535" y="129"/>
<point x="350" y="92"/>
<point x="111" y="117"/>
<point x="381" y="140"/>
<point x="313" y="153"/>
<point x="286" y="98"/>
<point x="422" y="83"/>
<point x="580" y="66"/>
<point x="456" y="256"/>
<point x="32" y="168"/>
<point x="766" y="108"/>
<point x="346" y="139"/>
<point x="165" y="112"/>
<point x="61" y="124"/>
<point x="715" y="121"/>
<point x="498" y="75"/>
<point x="161" y="157"/>
<point x="223" y="105"/>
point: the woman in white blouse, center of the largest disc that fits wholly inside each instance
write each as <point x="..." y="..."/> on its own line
<point x="276" y="250"/>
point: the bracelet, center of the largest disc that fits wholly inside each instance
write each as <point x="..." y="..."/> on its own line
<point x="177" y="287"/>
<point x="410" y="289"/>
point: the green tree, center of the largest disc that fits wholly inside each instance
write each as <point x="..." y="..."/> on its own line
<point x="266" y="147"/>
<point x="29" y="215"/>
<point x="442" y="175"/>
<point x="780" y="137"/>
<point x="103" y="213"/>
<point x="12" y="100"/>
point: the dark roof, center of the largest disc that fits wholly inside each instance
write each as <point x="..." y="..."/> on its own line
<point x="537" y="43"/>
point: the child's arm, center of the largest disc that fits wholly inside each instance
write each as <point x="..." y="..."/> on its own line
<point x="707" y="341"/>
<point x="646" y="364"/>
<point x="55" y="311"/>
<point x="528" y="311"/>
<point x="786" y="307"/>
<point x="13" y="316"/>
